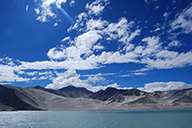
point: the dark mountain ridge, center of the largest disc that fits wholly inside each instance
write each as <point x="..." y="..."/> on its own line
<point x="69" y="91"/>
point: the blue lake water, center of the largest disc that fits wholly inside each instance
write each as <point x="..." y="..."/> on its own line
<point x="97" y="119"/>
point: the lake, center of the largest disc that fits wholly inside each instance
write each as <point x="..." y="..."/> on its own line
<point x="97" y="119"/>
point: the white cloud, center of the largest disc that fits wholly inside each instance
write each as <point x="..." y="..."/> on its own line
<point x="127" y="75"/>
<point x="77" y="64"/>
<point x="119" y="30"/>
<point x="115" y="85"/>
<point x="157" y="7"/>
<point x="98" y="47"/>
<point x="9" y="61"/>
<point x="139" y="73"/>
<point x="141" y="70"/>
<point x="4" y="83"/>
<point x="82" y="46"/>
<point x="133" y="74"/>
<point x="165" y="14"/>
<point x="122" y="58"/>
<point x="183" y="21"/>
<point x="86" y="41"/>
<point x="96" y="24"/>
<point x="162" y="60"/>
<point x="65" y="39"/>
<point x="72" y="3"/>
<point x="170" y="61"/>
<point x="34" y="78"/>
<point x="45" y="14"/>
<point x="37" y="11"/>
<point x="70" y="77"/>
<point x="7" y="74"/>
<point x="110" y="57"/>
<point x="174" y="43"/>
<point x="128" y="47"/>
<point x="164" y="86"/>
<point x="56" y="53"/>
<point x="20" y="72"/>
<point x="44" y="10"/>
<point x="96" y="7"/>
<point x="94" y="79"/>
<point x="164" y="54"/>
<point x="153" y="45"/>
<point x="45" y="73"/>
<point x="55" y="25"/>
<point x="80" y="54"/>
<point x="157" y="29"/>
<point x="43" y="78"/>
<point x="31" y="73"/>
<point x="100" y="74"/>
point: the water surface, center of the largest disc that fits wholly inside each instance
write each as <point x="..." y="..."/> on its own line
<point x="97" y="119"/>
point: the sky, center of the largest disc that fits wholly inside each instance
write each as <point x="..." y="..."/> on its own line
<point x="143" y="44"/>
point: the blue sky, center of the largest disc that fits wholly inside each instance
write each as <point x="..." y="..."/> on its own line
<point x="96" y="44"/>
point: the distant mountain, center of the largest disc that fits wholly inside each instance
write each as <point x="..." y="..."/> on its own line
<point x="115" y="95"/>
<point x="75" y="98"/>
<point x="69" y="91"/>
<point x="75" y="92"/>
<point x="107" y="94"/>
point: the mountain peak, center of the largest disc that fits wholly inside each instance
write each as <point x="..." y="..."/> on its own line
<point x="39" y="87"/>
<point x="72" y="88"/>
<point x="111" y="88"/>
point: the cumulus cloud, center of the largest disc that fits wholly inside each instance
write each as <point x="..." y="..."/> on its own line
<point x="96" y="7"/>
<point x="70" y="77"/>
<point x="164" y="86"/>
<point x="121" y="30"/>
<point x="86" y="41"/>
<point x="96" y="24"/>
<point x="56" y="53"/>
<point x="44" y="11"/>
<point x="183" y="21"/>
<point x="94" y="79"/>
<point x="7" y="74"/>
<point x="88" y="49"/>
<point x="153" y="45"/>
<point x="82" y="47"/>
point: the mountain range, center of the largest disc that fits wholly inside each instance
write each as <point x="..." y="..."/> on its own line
<point x="78" y="98"/>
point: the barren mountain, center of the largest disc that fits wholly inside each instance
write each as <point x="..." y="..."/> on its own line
<point x="73" y="98"/>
